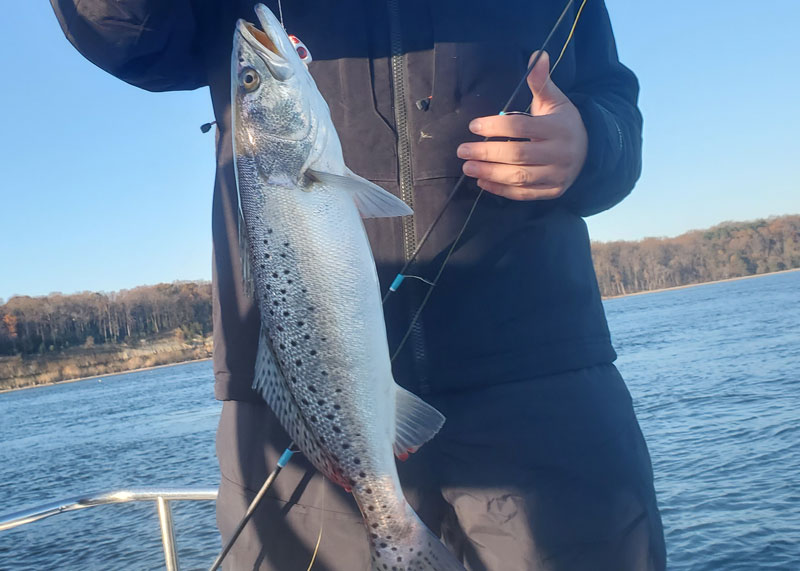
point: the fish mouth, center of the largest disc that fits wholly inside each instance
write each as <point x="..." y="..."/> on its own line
<point x="271" y="44"/>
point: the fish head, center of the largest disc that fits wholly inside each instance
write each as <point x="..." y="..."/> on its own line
<point x="272" y="92"/>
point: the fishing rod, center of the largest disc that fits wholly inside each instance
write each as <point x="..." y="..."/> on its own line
<point x="287" y="454"/>
<point x="402" y="275"/>
<point x="251" y="509"/>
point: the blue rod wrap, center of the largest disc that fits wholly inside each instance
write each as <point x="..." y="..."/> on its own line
<point x="396" y="283"/>
<point x="285" y="457"/>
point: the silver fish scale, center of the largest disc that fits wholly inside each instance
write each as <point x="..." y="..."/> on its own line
<point x="272" y="386"/>
<point x="312" y="348"/>
<point x="316" y="381"/>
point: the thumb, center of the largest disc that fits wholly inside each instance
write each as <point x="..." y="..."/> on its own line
<point x="546" y="96"/>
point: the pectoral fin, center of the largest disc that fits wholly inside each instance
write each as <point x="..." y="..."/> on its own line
<point x="372" y="201"/>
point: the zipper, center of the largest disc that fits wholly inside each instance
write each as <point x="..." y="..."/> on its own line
<point x="401" y="124"/>
<point x="405" y="173"/>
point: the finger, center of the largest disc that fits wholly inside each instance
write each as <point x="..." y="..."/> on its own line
<point x="546" y="95"/>
<point x="518" y="193"/>
<point x="516" y="126"/>
<point x="510" y="152"/>
<point x="512" y="175"/>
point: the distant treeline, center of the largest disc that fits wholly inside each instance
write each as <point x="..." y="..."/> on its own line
<point x="54" y="322"/>
<point x="30" y="325"/>
<point x="729" y="250"/>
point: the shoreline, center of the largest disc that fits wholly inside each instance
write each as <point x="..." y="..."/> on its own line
<point x="150" y="368"/>
<point x="65" y="381"/>
<point x="701" y="284"/>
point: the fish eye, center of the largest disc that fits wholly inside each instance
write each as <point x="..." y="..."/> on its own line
<point x="249" y="78"/>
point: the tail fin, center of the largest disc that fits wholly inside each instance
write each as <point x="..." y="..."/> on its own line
<point x="420" y="550"/>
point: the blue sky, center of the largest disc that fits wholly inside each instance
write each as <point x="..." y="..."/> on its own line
<point x="106" y="186"/>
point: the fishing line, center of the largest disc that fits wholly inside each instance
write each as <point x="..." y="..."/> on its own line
<point x="402" y="274"/>
<point x="280" y="14"/>
<point x="561" y="55"/>
<point x="323" y="483"/>
<point x="523" y="81"/>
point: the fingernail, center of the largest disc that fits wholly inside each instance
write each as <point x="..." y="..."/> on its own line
<point x="470" y="169"/>
<point x="463" y="152"/>
<point x="475" y="126"/>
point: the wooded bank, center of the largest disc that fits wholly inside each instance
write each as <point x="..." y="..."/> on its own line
<point x="49" y="325"/>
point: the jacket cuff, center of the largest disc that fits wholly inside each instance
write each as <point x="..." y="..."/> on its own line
<point x="598" y="186"/>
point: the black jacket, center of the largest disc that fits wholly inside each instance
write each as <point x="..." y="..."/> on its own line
<point x="519" y="298"/>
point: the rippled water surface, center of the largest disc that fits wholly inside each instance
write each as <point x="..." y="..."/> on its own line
<point x="714" y="372"/>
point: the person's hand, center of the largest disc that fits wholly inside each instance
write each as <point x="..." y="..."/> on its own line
<point x="547" y="162"/>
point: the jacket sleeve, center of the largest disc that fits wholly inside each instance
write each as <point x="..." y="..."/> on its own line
<point x="606" y="94"/>
<point x="151" y="44"/>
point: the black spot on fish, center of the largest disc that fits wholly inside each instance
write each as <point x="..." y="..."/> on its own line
<point x="321" y="402"/>
<point x="338" y="390"/>
<point x="298" y="362"/>
<point x="312" y="388"/>
<point x="383" y="545"/>
<point x="286" y="244"/>
<point x="294" y="343"/>
<point x="363" y="475"/>
<point x="345" y="445"/>
<point x="283" y="290"/>
<point x="283" y="255"/>
<point x="275" y="302"/>
<point x="282" y="346"/>
<point x="313" y="352"/>
<point x="301" y="323"/>
<point x="305" y="402"/>
<point x="286" y="272"/>
<point x="357" y="460"/>
<point x="269" y="230"/>
<point x="269" y="286"/>
<point x="274" y="274"/>
<point x="280" y="328"/>
<point x="306" y="336"/>
<point x="324" y="373"/>
<point x="266" y="242"/>
<point x="337" y="430"/>
<point x="286" y="313"/>
<point x="336" y="407"/>
<point x="289" y="281"/>
<point x="313" y="418"/>
<point x="266" y="256"/>
<point x="368" y="490"/>
<point x="293" y="378"/>
<point x="371" y="508"/>
<point x="329" y="416"/>
<point x="375" y="525"/>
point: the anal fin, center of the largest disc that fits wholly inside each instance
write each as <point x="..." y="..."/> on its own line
<point x="416" y="423"/>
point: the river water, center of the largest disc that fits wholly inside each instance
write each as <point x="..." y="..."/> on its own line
<point x="714" y="371"/>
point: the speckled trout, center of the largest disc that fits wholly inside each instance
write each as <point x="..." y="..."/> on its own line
<point x="323" y="362"/>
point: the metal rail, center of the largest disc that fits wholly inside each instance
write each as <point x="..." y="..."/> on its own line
<point x="162" y="497"/>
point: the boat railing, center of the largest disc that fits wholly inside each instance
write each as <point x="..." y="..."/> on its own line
<point x="161" y="496"/>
